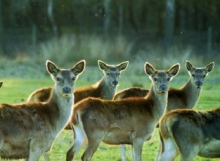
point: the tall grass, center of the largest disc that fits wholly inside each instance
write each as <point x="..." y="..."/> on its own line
<point x="70" y="48"/>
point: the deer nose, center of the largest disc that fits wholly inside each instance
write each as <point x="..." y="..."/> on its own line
<point x="198" y="84"/>
<point x="163" y="87"/>
<point x="115" y="82"/>
<point x="66" y="90"/>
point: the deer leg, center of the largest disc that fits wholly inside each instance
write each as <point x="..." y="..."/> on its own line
<point x="79" y="137"/>
<point x="158" y="153"/>
<point x="94" y="139"/>
<point x="46" y="157"/>
<point x="34" y="155"/>
<point x="90" y="150"/>
<point x="123" y="154"/>
<point x="188" y="154"/>
<point x="168" y="150"/>
<point x="160" y="148"/>
<point x="137" y="148"/>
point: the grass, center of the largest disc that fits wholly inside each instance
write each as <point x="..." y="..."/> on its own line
<point x="17" y="89"/>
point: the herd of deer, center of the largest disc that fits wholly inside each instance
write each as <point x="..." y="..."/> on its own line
<point x="99" y="114"/>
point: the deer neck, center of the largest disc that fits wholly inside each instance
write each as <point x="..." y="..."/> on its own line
<point x="61" y="107"/>
<point x="107" y="90"/>
<point x="159" y="102"/>
<point x="192" y="93"/>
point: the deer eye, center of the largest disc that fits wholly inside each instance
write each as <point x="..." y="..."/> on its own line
<point x="107" y="73"/>
<point x="168" y="79"/>
<point x="193" y="75"/>
<point x="58" y="79"/>
<point x="204" y="76"/>
<point x="155" y="79"/>
<point x="74" y="78"/>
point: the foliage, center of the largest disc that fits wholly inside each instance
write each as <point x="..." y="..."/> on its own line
<point x="70" y="48"/>
<point x="27" y="24"/>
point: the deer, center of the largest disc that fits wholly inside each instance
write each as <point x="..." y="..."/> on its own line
<point x="188" y="133"/>
<point x="28" y="130"/>
<point x="104" y="88"/>
<point x="131" y="92"/>
<point x="127" y="121"/>
<point x="184" y="97"/>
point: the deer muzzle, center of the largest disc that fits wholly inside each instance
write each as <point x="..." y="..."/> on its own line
<point x="163" y="88"/>
<point x="114" y="83"/>
<point x="66" y="90"/>
<point x="198" y="84"/>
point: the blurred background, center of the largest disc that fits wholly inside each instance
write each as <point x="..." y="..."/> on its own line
<point x="159" y="31"/>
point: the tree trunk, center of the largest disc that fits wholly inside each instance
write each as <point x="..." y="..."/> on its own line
<point x="1" y="30"/>
<point x="120" y="26"/>
<point x="209" y="40"/>
<point x="107" y="18"/>
<point x="51" y="17"/>
<point x="169" y="24"/>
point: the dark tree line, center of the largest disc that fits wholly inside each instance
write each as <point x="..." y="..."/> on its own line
<point x="160" y="19"/>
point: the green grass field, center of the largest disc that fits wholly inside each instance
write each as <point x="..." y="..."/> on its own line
<point x="16" y="90"/>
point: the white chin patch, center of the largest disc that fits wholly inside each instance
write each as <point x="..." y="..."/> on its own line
<point x="66" y="94"/>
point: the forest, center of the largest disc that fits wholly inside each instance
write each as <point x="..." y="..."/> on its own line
<point x="143" y="25"/>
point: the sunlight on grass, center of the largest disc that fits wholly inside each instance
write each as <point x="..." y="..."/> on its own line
<point x="16" y="90"/>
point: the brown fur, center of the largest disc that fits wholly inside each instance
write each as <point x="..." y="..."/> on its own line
<point x="105" y="88"/>
<point x="28" y="130"/>
<point x="128" y="121"/>
<point x="40" y="95"/>
<point x="101" y="89"/>
<point x="189" y="133"/>
<point x="184" y="97"/>
<point x="131" y="92"/>
<point x="33" y="118"/>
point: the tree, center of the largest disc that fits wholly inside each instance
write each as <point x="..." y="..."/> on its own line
<point x="169" y="26"/>
<point x="107" y="21"/>
<point x="51" y="17"/>
<point x="1" y="29"/>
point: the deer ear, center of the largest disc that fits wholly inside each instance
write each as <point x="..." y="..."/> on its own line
<point x="210" y="67"/>
<point x="79" y="67"/>
<point x="189" y="66"/>
<point x="122" y="66"/>
<point x="102" y="65"/>
<point x="149" y="69"/>
<point x="51" y="67"/>
<point x="174" y="70"/>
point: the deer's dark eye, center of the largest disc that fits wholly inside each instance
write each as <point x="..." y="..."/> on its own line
<point x="204" y="76"/>
<point x="155" y="79"/>
<point x="193" y="75"/>
<point x="168" y="79"/>
<point x="58" y="79"/>
<point x="74" y="78"/>
<point x="107" y="73"/>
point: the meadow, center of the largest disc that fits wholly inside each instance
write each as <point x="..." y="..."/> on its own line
<point x="16" y="89"/>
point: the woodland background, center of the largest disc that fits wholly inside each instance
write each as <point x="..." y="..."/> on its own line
<point x="161" y="31"/>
